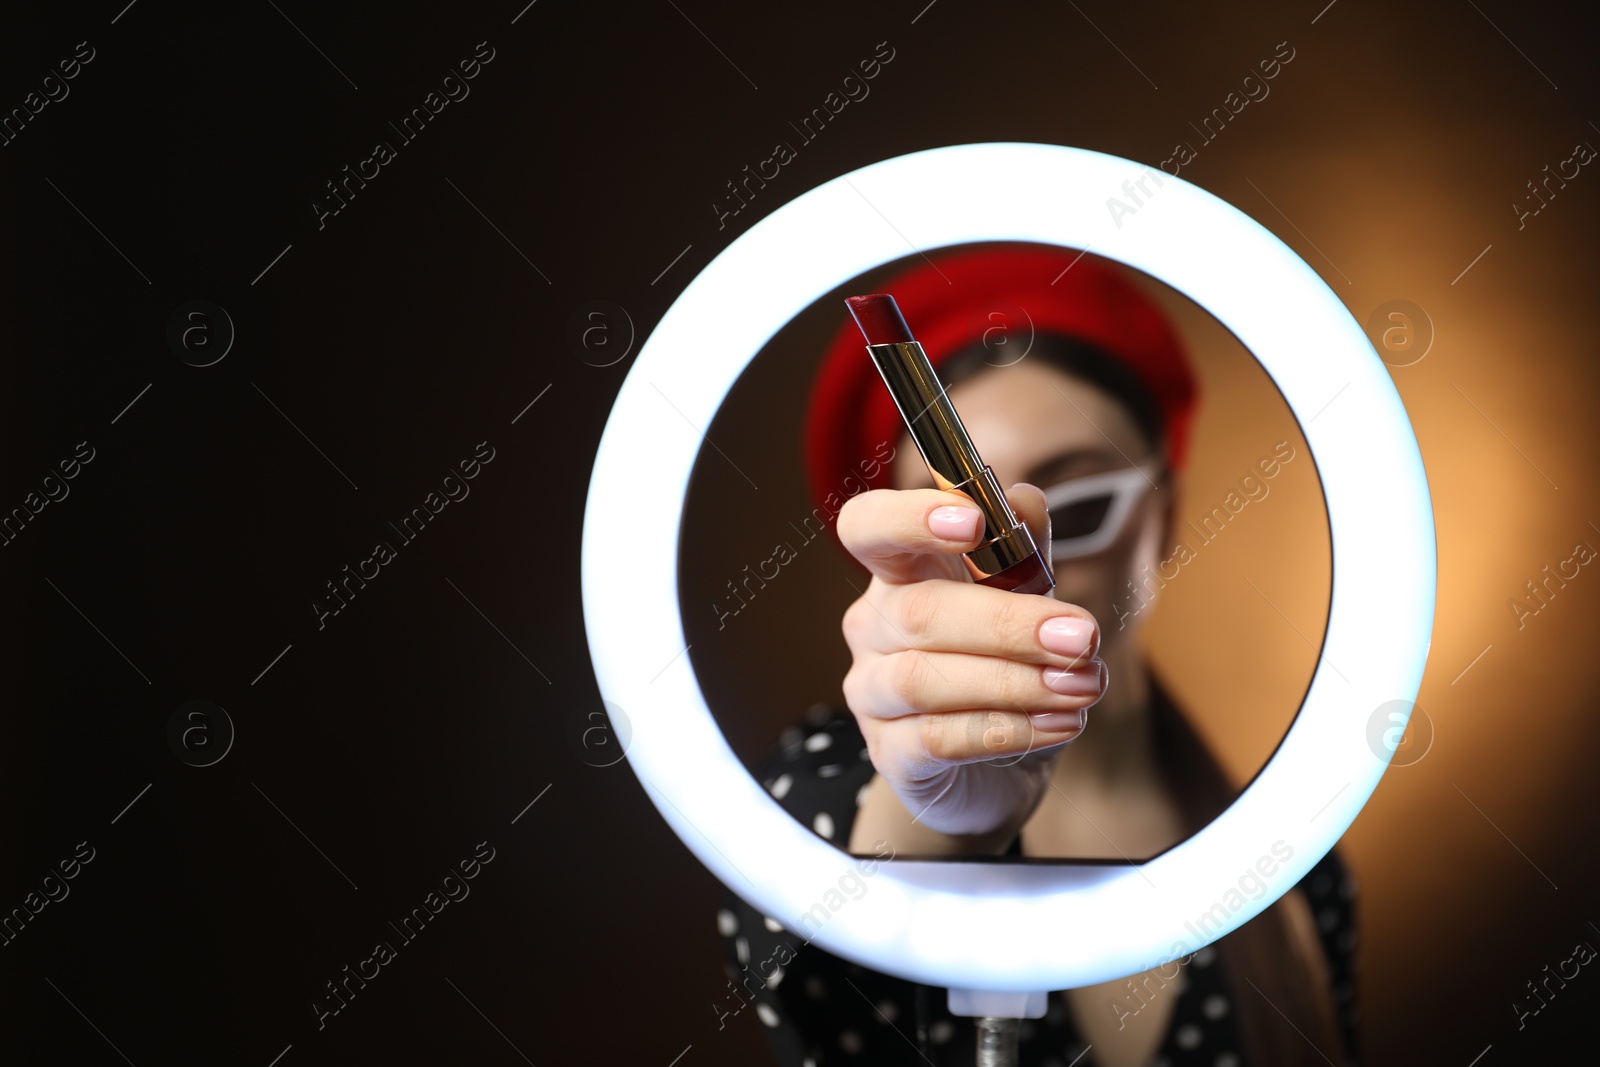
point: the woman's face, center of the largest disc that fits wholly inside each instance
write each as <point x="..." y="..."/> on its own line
<point x="1032" y="422"/>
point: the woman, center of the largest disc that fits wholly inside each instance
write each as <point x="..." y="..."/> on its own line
<point x="967" y="730"/>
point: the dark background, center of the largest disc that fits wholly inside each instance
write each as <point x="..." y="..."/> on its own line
<point x="375" y="352"/>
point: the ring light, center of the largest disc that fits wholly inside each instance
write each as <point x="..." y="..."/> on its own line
<point x="1001" y="927"/>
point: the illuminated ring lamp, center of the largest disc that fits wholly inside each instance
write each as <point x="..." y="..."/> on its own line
<point x="998" y="933"/>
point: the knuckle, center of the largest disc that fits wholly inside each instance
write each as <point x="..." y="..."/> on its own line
<point x="1009" y="687"/>
<point x="869" y="736"/>
<point x="936" y="738"/>
<point x="881" y="747"/>
<point x="852" y="687"/>
<point x="907" y="679"/>
<point x="997" y="732"/>
<point x="853" y="623"/>
<point x="1012" y="616"/>
<point x="920" y="608"/>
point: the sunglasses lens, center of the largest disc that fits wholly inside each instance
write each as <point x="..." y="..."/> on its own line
<point x="1079" y="518"/>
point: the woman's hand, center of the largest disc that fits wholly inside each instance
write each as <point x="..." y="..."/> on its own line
<point x="964" y="693"/>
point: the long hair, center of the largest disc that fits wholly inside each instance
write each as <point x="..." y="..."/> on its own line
<point x="1278" y="954"/>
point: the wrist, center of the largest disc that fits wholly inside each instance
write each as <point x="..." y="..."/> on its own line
<point x="915" y="825"/>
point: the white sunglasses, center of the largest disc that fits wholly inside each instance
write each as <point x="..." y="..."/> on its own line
<point x="1087" y="514"/>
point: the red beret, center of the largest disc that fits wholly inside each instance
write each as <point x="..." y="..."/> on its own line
<point x="948" y="303"/>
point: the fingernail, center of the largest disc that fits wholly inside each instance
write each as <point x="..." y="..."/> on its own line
<point x="1081" y="682"/>
<point x="1066" y="635"/>
<point x="1060" y="721"/>
<point x="954" y="523"/>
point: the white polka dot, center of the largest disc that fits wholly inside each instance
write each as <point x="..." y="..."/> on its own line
<point x="774" y="978"/>
<point x="780" y="788"/>
<point x="1205" y="957"/>
<point x="741" y="948"/>
<point x="830" y="770"/>
<point x="861" y="794"/>
<point x="1327" y="919"/>
<point x="1215" y="1007"/>
<point x="1188" y="1036"/>
<point x="727" y="922"/>
<point x="866" y="757"/>
<point x="850" y="1041"/>
<point x="772" y="924"/>
<point x="808" y="1062"/>
<point x="887" y="1011"/>
<point x="941" y="1031"/>
<point x="768" y="1016"/>
<point x="1227" y="1059"/>
<point x="818" y="742"/>
<point x="823" y="823"/>
<point x="816" y="989"/>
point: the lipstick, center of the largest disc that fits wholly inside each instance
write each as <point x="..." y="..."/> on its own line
<point x="1007" y="558"/>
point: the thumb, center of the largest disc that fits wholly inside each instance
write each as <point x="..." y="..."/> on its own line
<point x="1027" y="500"/>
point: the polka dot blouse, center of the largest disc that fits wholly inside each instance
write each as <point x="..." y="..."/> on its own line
<point x="816" y="1008"/>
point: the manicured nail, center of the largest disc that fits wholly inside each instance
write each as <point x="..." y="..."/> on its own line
<point x="1066" y="635"/>
<point x="1081" y="682"/>
<point x="954" y="523"/>
<point x="1060" y="721"/>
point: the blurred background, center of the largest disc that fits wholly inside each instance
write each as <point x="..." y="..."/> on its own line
<point x="241" y="346"/>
